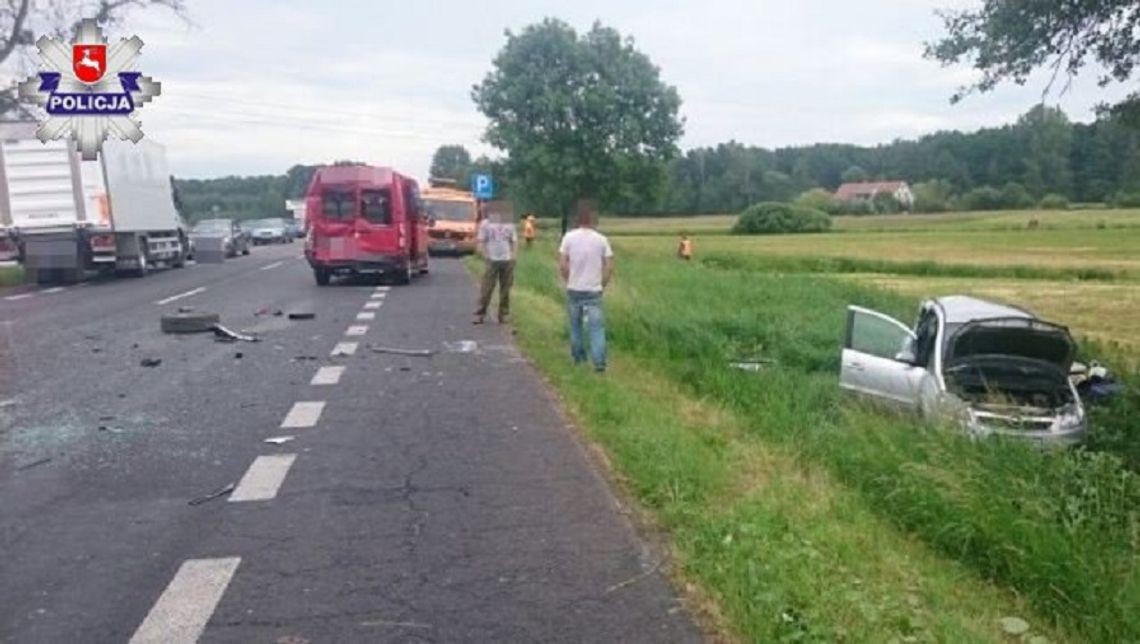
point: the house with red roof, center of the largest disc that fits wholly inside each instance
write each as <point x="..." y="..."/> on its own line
<point x="866" y="191"/>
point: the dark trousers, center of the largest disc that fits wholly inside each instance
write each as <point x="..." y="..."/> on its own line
<point x="503" y="273"/>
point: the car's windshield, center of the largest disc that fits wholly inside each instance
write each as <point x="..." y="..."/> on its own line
<point x="213" y="225"/>
<point x="265" y="223"/>
<point x="450" y="210"/>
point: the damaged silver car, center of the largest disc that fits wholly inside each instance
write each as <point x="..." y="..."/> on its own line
<point x="993" y="368"/>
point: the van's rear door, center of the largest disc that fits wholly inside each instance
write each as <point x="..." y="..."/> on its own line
<point x="378" y="224"/>
<point x="333" y="223"/>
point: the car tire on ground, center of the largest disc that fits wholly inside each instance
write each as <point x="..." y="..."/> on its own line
<point x="322" y="276"/>
<point x="405" y="276"/>
<point x="188" y="322"/>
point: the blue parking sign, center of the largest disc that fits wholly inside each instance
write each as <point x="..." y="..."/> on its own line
<point x="482" y="186"/>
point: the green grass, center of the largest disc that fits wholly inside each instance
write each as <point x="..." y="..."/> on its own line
<point x="806" y="516"/>
<point x="11" y="275"/>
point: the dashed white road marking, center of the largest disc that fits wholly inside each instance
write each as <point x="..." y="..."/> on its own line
<point x="303" y="414"/>
<point x="378" y="296"/>
<point x="382" y="289"/>
<point x="263" y="478"/>
<point x="172" y="298"/>
<point x="181" y="612"/>
<point x="372" y="305"/>
<point x="366" y="315"/>
<point x="21" y="296"/>
<point x="272" y="266"/>
<point x="54" y="289"/>
<point x="344" y="349"/>
<point x="357" y="329"/>
<point x="327" y="375"/>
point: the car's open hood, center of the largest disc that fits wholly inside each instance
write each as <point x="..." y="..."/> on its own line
<point x="1022" y="337"/>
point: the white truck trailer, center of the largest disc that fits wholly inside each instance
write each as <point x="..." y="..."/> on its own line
<point x="63" y="217"/>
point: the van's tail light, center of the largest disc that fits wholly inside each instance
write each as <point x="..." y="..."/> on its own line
<point x="403" y="239"/>
<point x="102" y="242"/>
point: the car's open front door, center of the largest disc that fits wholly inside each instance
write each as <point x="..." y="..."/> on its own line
<point x="874" y="358"/>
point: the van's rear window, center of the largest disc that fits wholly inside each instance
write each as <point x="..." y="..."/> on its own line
<point x="376" y="206"/>
<point x="337" y="205"/>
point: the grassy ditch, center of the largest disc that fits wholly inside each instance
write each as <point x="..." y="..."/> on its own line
<point x="807" y="516"/>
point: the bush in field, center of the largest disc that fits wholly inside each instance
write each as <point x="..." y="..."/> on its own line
<point x="984" y="198"/>
<point x="778" y="218"/>
<point x="1126" y="200"/>
<point x="854" y="207"/>
<point x="1014" y="196"/>
<point x="933" y="196"/>
<point x="885" y="203"/>
<point x="819" y="199"/>
<point x="1054" y="201"/>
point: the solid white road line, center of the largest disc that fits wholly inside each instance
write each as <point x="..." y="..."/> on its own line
<point x="54" y="289"/>
<point x="357" y="329"/>
<point x="366" y="315"/>
<point x="21" y="296"/>
<point x="327" y="375"/>
<point x="303" y="414"/>
<point x="172" y="298"/>
<point x="344" y="349"/>
<point x="372" y="305"/>
<point x="181" y="612"/>
<point x="263" y="478"/>
<point x="271" y="266"/>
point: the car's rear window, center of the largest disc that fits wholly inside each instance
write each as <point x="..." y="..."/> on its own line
<point x="376" y="206"/>
<point x="337" y="205"/>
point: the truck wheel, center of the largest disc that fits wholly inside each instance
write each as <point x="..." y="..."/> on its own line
<point x="322" y="276"/>
<point x="144" y="266"/>
<point x="188" y="322"/>
<point x="179" y="260"/>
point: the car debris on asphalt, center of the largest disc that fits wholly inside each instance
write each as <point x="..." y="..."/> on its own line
<point x="214" y="495"/>
<point x="279" y="440"/>
<point x="188" y="322"/>
<point x="150" y="362"/>
<point x="28" y="466"/>
<point x="461" y="346"/>
<point x="302" y="316"/>
<point x="419" y="353"/>
<point x="223" y="334"/>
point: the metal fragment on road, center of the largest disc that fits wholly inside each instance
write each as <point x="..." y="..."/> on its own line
<point x="419" y="353"/>
<point x="28" y="466"/>
<point x="213" y="495"/>
<point x="302" y="316"/>
<point x="279" y="440"/>
<point x="222" y="334"/>
<point x="150" y="362"/>
<point x="461" y="346"/>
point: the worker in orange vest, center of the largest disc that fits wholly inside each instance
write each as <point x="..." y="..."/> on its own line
<point x="685" y="248"/>
<point x="530" y="231"/>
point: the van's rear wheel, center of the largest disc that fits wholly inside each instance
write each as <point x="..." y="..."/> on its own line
<point x="405" y="276"/>
<point x="322" y="275"/>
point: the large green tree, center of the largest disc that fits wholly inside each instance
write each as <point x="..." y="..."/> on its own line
<point x="1007" y="40"/>
<point x="23" y="21"/>
<point x="579" y="115"/>
<point x="451" y="162"/>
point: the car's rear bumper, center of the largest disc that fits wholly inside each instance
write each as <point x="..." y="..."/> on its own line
<point x="451" y="246"/>
<point x="371" y="264"/>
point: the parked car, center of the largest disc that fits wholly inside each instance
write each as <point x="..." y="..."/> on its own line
<point x="365" y="220"/>
<point x="234" y="241"/>
<point x="992" y="368"/>
<point x="294" y="229"/>
<point x="269" y="231"/>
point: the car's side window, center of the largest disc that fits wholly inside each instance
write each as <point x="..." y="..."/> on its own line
<point x="875" y="334"/>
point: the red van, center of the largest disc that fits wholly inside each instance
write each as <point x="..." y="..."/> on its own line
<point x="365" y="220"/>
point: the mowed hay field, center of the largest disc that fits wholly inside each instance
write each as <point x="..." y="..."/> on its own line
<point x="795" y="513"/>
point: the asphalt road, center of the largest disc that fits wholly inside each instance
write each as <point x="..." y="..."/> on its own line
<point x="437" y="499"/>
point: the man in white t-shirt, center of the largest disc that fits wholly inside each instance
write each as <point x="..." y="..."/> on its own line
<point x="587" y="263"/>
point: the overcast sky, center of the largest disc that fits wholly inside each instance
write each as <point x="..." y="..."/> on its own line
<point x="254" y="86"/>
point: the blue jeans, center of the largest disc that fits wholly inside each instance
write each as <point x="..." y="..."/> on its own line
<point x="585" y="304"/>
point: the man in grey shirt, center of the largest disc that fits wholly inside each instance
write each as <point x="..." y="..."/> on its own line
<point x="498" y="246"/>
